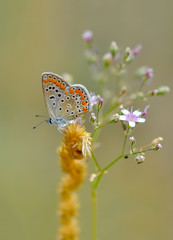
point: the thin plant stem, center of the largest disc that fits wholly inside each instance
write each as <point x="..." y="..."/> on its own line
<point x="95" y="161"/>
<point x="112" y="163"/>
<point x="142" y="151"/>
<point x="94" y="214"/>
<point x="97" y="181"/>
<point x="98" y="127"/>
<point x="125" y="140"/>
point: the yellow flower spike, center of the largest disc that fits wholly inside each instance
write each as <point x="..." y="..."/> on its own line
<point x="73" y="152"/>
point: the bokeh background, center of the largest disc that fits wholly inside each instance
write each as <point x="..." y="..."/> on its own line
<point x="135" y="201"/>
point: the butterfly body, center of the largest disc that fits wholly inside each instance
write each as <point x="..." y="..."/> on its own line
<point x="65" y="102"/>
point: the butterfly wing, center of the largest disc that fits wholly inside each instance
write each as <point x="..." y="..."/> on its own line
<point x="74" y="103"/>
<point x="65" y="102"/>
<point x="52" y="90"/>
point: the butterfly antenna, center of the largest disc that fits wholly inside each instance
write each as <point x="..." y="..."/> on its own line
<point x="40" y="116"/>
<point x="40" y="123"/>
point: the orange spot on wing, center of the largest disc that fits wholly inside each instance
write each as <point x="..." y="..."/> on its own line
<point x="80" y="93"/>
<point x="54" y="81"/>
<point x="66" y="93"/>
<point x="84" y="109"/>
<point x="71" y="91"/>
<point x="77" y="91"/>
<point x="84" y="103"/>
<point x="50" y="79"/>
<point x="58" y="83"/>
<point x="82" y="98"/>
<point x="62" y="86"/>
<point x="45" y="80"/>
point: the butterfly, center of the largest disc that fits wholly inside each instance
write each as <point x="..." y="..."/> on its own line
<point x="65" y="102"/>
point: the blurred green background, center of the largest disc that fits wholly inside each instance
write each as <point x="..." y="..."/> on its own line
<point x="135" y="201"/>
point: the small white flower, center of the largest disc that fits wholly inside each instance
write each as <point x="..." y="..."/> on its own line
<point x="131" y="117"/>
<point x="139" y="158"/>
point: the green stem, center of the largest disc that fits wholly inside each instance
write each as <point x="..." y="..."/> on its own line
<point x="112" y="163"/>
<point x="94" y="214"/>
<point x="142" y="151"/>
<point x="96" y="163"/>
<point x="96" y="183"/>
<point x="125" y="140"/>
<point x="98" y="127"/>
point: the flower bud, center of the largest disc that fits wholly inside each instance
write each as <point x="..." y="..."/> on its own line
<point x="93" y="118"/>
<point x="144" y="113"/>
<point x="128" y="55"/>
<point x="149" y="73"/>
<point x="136" y="50"/>
<point x="132" y="141"/>
<point x="139" y="158"/>
<point x="113" y="48"/>
<point x="157" y="147"/>
<point x="87" y="36"/>
<point x="144" y="72"/>
<point x="107" y="59"/>
<point x="152" y="93"/>
<point x="163" y="90"/>
<point x="114" y="118"/>
<point x="123" y="91"/>
<point x="157" y="140"/>
<point x="100" y="101"/>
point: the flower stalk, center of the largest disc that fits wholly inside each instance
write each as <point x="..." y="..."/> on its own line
<point x="73" y="152"/>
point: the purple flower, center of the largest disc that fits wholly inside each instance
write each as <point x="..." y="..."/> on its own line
<point x="136" y="50"/>
<point x="149" y="73"/>
<point x="131" y="117"/>
<point x="87" y="36"/>
<point x="94" y="99"/>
